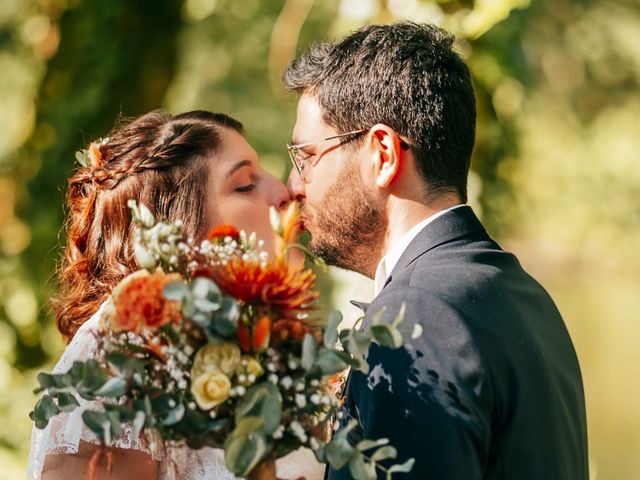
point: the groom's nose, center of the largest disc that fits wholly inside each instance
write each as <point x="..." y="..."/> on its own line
<point x="296" y="185"/>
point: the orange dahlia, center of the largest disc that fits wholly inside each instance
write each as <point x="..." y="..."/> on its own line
<point x="140" y="303"/>
<point x="276" y="285"/>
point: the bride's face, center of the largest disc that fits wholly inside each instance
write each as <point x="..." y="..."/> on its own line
<point x="241" y="191"/>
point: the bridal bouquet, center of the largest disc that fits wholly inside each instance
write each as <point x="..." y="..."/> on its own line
<point x="218" y="345"/>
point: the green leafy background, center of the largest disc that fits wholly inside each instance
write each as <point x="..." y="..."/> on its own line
<point x="555" y="174"/>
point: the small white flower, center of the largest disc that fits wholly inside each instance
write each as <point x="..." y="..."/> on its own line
<point x="213" y="414"/>
<point x="292" y="364"/>
<point x="301" y="400"/>
<point x="271" y="367"/>
<point x="314" y="382"/>
<point x="299" y="386"/>
<point x="315" y="399"/>
<point x="191" y="405"/>
<point x="172" y="403"/>
<point x="273" y="379"/>
<point x="325" y="400"/>
<point x="241" y="390"/>
<point x="314" y="443"/>
<point x="279" y="432"/>
<point x="242" y="378"/>
<point x="251" y="378"/>
<point x="286" y="382"/>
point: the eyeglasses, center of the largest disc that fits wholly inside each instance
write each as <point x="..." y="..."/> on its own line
<point x="303" y="165"/>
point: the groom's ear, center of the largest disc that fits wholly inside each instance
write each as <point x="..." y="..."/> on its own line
<point x="386" y="145"/>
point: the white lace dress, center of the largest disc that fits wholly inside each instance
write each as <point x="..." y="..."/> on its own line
<point x="176" y="461"/>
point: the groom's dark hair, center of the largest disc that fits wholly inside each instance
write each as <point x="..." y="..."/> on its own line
<point x="404" y="75"/>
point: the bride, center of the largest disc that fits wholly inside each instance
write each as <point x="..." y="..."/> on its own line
<point x="196" y="167"/>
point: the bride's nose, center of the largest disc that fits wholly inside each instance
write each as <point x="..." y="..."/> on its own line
<point x="279" y="195"/>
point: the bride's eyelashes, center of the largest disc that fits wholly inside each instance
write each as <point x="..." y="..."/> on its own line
<point x="246" y="189"/>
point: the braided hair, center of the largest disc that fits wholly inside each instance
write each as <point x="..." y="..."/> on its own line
<point x="159" y="160"/>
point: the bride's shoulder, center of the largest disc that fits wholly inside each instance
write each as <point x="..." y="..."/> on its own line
<point x="83" y="345"/>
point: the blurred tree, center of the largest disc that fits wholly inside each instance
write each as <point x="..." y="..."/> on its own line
<point x="114" y="58"/>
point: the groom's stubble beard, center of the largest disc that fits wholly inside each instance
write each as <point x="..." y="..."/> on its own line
<point x="350" y="224"/>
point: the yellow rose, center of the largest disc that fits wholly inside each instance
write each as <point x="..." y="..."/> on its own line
<point x="210" y="389"/>
<point x="223" y="357"/>
<point x="249" y="366"/>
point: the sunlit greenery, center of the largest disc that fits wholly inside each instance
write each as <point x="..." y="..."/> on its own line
<point x="555" y="170"/>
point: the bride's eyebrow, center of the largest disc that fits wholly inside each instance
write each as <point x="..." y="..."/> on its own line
<point x="238" y="166"/>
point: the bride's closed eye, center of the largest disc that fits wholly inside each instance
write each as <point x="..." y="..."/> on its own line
<point x="246" y="189"/>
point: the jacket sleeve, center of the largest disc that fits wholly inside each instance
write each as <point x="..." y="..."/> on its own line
<point x="432" y="397"/>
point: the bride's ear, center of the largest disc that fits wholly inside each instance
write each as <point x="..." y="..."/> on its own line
<point x="388" y="154"/>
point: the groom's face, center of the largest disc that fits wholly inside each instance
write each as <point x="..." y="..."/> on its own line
<point x="339" y="209"/>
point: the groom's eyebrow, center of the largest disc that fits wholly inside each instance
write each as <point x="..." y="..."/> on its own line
<point x="238" y="166"/>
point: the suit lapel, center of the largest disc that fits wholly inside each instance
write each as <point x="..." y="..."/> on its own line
<point x="451" y="226"/>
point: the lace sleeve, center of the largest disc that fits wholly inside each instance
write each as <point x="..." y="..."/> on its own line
<point x="65" y="431"/>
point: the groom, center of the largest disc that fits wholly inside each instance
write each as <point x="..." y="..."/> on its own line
<point x="382" y="144"/>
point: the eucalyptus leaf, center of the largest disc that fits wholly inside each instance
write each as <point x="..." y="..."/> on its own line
<point x="243" y="453"/>
<point x="205" y="305"/>
<point x="138" y="423"/>
<point x="384" y="453"/>
<point x="175" y="291"/>
<point x="401" y="468"/>
<point x="114" y="387"/>
<point x="364" y="445"/>
<point x="67" y="402"/>
<point x="43" y="411"/>
<point x="309" y="351"/>
<point x="362" y="470"/>
<point x="95" y="421"/>
<point x="330" y="362"/>
<point x="331" y="330"/>
<point x="175" y="415"/>
<point x="339" y="451"/>
<point x="262" y="400"/>
<point x="202" y="287"/>
<point x="93" y="376"/>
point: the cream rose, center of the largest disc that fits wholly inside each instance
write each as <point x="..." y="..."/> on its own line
<point x="224" y="357"/>
<point x="210" y="389"/>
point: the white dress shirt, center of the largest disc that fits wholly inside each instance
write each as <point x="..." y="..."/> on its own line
<point x="393" y="254"/>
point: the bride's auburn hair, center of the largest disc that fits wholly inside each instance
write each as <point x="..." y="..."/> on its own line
<point x="159" y="160"/>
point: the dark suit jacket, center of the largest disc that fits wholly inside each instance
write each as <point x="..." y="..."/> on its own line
<point x="492" y="389"/>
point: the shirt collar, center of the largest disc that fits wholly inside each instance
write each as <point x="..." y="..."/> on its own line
<point x="393" y="254"/>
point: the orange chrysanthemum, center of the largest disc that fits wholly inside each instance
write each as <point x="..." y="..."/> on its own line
<point x="222" y="231"/>
<point x="277" y="285"/>
<point x="140" y="303"/>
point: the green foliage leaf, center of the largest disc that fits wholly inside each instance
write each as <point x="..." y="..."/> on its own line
<point x="364" y="445"/>
<point x="339" y="451"/>
<point x="401" y="468"/>
<point x="67" y="402"/>
<point x="114" y="387"/>
<point x="246" y="446"/>
<point x="384" y="453"/>
<point x="175" y="415"/>
<point x="45" y="409"/>
<point x="331" y="330"/>
<point x="309" y="351"/>
<point x="93" y="376"/>
<point x="262" y="400"/>
<point x="175" y="291"/>
<point x="330" y="362"/>
<point x="362" y="470"/>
